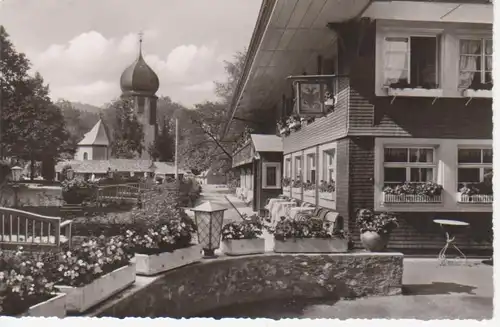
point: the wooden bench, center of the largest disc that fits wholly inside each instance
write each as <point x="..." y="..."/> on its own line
<point x="30" y="230"/>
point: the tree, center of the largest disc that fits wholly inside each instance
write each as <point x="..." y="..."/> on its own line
<point x="33" y="127"/>
<point x="127" y="130"/>
<point x="234" y="69"/>
<point x="164" y="147"/>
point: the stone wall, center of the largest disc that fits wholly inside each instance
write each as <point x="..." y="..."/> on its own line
<point x="217" y="283"/>
<point x="31" y="196"/>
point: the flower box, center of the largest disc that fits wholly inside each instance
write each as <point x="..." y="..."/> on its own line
<point x="80" y="299"/>
<point x="53" y="307"/>
<point x="243" y="246"/>
<point x="330" y="196"/>
<point x="478" y="93"/>
<point x="286" y="189"/>
<point x="311" y="245"/>
<point x="411" y="198"/>
<point x="153" y="264"/>
<point x="476" y="198"/>
<point x="415" y="92"/>
<point x="297" y="190"/>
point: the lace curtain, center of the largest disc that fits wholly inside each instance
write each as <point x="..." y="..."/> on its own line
<point x="470" y="62"/>
<point x="396" y="60"/>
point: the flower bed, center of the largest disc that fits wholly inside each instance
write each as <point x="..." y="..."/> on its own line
<point x="76" y="191"/>
<point x="93" y="272"/>
<point x="310" y="235"/>
<point x="26" y="288"/>
<point x="240" y="238"/>
<point x="428" y="192"/>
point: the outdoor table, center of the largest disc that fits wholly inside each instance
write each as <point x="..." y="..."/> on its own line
<point x="450" y="240"/>
<point x="281" y="209"/>
<point x="269" y="206"/>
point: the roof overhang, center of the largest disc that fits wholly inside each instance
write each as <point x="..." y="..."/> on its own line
<point x="287" y="40"/>
<point x="478" y="12"/>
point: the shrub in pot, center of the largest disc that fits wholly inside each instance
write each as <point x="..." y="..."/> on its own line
<point x="375" y="229"/>
<point x="243" y="237"/>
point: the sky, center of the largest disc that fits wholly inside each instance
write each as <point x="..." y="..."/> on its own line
<point x="81" y="47"/>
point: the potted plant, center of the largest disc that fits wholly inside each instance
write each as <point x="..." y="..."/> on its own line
<point x="286" y="184"/>
<point x="375" y="229"/>
<point x="294" y="122"/>
<point x="76" y="191"/>
<point x="283" y="128"/>
<point x="240" y="238"/>
<point x="164" y="248"/>
<point x="26" y="286"/>
<point x="309" y="235"/>
<point x="310" y="192"/>
<point x="94" y="271"/>
<point x="408" y="192"/>
<point x="297" y="186"/>
<point x="327" y="190"/>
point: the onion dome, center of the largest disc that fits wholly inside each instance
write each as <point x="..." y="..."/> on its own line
<point x="139" y="78"/>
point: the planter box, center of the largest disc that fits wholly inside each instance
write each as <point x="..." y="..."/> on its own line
<point x="330" y="196"/>
<point x="406" y="198"/>
<point x="416" y="92"/>
<point x="310" y="196"/>
<point x="54" y="307"/>
<point x="478" y="93"/>
<point x="286" y="189"/>
<point x="296" y="190"/>
<point x="476" y="198"/>
<point x="157" y="263"/>
<point x="242" y="247"/>
<point x="80" y="299"/>
<point x="311" y="245"/>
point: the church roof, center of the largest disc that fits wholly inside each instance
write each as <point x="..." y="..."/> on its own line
<point x="139" y="78"/>
<point x="96" y="136"/>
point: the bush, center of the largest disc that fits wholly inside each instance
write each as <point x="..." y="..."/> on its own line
<point x="76" y="191"/>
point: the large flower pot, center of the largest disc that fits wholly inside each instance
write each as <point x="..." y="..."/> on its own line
<point x="156" y="263"/>
<point x="80" y="299"/>
<point x="53" y="307"/>
<point x="244" y="246"/>
<point x="374" y="242"/>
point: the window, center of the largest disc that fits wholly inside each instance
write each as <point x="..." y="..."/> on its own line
<point x="474" y="166"/>
<point x="408" y="164"/>
<point x="298" y="168"/>
<point x="271" y="175"/>
<point x="85" y="156"/>
<point x="329" y="165"/>
<point x="476" y="64"/>
<point x="411" y="62"/>
<point x="311" y="168"/>
<point x="288" y="168"/>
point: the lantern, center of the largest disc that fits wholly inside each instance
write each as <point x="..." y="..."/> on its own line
<point x="16" y="173"/>
<point x="209" y="219"/>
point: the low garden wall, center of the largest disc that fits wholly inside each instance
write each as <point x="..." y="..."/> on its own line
<point x="225" y="281"/>
<point x="30" y="195"/>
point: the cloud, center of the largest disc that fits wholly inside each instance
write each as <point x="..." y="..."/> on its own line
<point x="87" y="68"/>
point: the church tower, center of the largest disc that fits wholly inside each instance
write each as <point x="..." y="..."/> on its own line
<point x="141" y="83"/>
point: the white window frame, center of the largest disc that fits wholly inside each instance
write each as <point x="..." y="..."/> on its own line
<point x="409" y="165"/>
<point x="327" y="166"/>
<point x="298" y="168"/>
<point x="265" y="166"/>
<point x="388" y="32"/>
<point x="310" y="167"/>
<point x="481" y="166"/>
<point x="288" y="167"/>
<point x="480" y="37"/>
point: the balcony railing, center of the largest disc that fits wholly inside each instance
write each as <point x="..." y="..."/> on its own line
<point x="476" y="198"/>
<point x="411" y="198"/>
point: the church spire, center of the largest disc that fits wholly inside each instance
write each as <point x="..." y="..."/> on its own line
<point x="141" y="35"/>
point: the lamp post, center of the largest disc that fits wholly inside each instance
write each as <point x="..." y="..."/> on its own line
<point x="16" y="177"/>
<point x="209" y="218"/>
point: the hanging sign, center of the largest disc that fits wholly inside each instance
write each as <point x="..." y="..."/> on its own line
<point x="310" y="98"/>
